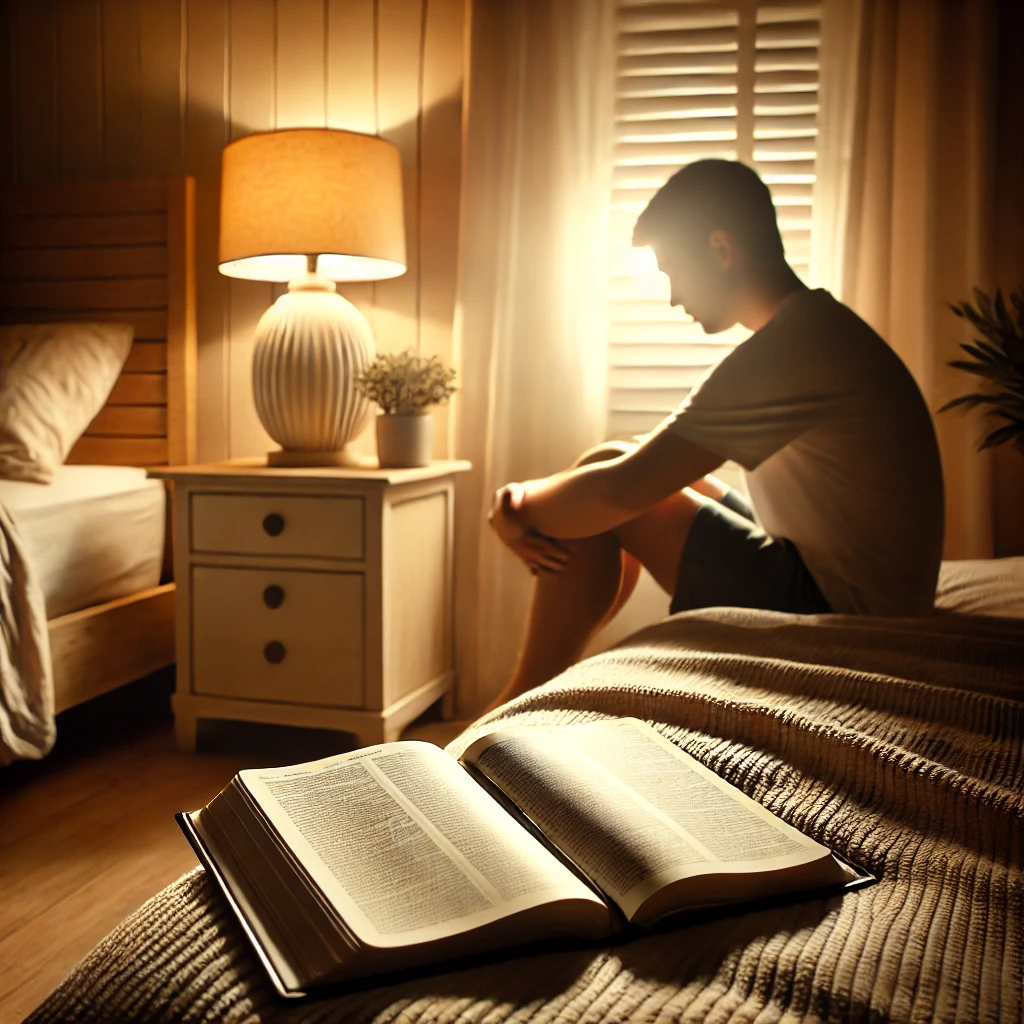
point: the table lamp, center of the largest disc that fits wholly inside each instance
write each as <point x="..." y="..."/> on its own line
<point x="311" y="206"/>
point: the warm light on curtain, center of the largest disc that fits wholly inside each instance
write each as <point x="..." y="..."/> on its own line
<point x="531" y="318"/>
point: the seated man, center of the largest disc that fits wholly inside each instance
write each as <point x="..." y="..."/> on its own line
<point x="836" y="442"/>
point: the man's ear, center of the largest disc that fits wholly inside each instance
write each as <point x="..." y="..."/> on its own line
<point x="722" y="250"/>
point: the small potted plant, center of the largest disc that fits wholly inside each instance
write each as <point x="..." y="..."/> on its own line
<point x="998" y="360"/>
<point x="405" y="386"/>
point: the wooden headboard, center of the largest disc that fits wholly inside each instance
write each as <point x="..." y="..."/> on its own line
<point x="114" y="251"/>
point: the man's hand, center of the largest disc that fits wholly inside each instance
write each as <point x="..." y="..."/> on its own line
<point x="539" y="553"/>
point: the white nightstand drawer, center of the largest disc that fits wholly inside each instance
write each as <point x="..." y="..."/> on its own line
<point x="288" y="636"/>
<point x="278" y="524"/>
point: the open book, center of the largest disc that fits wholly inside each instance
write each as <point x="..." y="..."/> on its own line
<point x="398" y="855"/>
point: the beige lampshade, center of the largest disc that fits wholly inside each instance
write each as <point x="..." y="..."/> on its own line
<point x="311" y="191"/>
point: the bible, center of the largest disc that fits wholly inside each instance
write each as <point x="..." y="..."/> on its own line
<point x="398" y="856"/>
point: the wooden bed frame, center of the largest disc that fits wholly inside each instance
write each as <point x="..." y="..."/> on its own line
<point x="120" y="251"/>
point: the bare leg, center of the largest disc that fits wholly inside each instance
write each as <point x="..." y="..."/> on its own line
<point x="710" y="486"/>
<point x="567" y="608"/>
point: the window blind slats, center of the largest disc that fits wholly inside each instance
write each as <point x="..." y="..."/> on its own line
<point x="679" y="97"/>
<point x="707" y="40"/>
<point x="675" y="107"/>
<point x="673" y="63"/>
<point x="676" y="129"/>
<point x="674" y="85"/>
<point x="658" y="16"/>
<point x="778" y="103"/>
<point x="786" y="34"/>
<point x="795" y="59"/>
<point x="778" y="171"/>
<point x="800" y="147"/>
<point x="767" y="125"/>
<point x="788" y="80"/>
<point x="655" y="354"/>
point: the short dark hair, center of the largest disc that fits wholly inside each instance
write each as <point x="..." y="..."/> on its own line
<point x="708" y="195"/>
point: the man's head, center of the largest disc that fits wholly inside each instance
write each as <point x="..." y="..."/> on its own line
<point x="712" y="227"/>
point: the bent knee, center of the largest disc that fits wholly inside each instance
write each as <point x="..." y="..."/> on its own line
<point x="604" y="452"/>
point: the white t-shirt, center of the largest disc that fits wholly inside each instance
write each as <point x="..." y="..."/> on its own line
<point x="838" y="449"/>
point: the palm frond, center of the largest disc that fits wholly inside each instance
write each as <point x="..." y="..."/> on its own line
<point x="997" y="358"/>
<point x="1012" y="432"/>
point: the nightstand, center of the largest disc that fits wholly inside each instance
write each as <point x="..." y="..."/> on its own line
<point x="316" y="597"/>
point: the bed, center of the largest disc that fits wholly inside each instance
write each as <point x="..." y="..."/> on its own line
<point x="898" y="742"/>
<point x="120" y="252"/>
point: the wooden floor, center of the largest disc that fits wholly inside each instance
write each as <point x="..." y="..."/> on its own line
<point x="87" y="834"/>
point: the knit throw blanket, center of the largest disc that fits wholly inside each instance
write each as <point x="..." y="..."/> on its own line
<point x="898" y="743"/>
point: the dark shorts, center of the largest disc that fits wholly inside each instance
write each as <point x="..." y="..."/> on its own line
<point x="728" y="560"/>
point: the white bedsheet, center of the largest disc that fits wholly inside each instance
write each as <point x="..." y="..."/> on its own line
<point x="95" y="534"/>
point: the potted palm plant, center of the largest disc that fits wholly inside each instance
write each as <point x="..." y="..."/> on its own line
<point x="998" y="359"/>
<point x="405" y="386"/>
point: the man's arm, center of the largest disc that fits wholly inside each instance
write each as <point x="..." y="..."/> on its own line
<point x="595" y="498"/>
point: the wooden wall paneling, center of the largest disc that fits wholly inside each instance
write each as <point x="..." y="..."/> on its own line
<point x="352" y="94"/>
<point x="139" y="389"/>
<point x="8" y="70"/>
<point x="129" y="421"/>
<point x="132" y="293"/>
<point x="162" y="87"/>
<point x="251" y="89"/>
<point x="116" y="229"/>
<point x="138" y="195"/>
<point x="150" y="414"/>
<point x="127" y="93"/>
<point x="117" y="261"/>
<point x="150" y="325"/>
<point x="80" y="89"/>
<point x="147" y="357"/>
<point x="35" y="97"/>
<point x="119" y="451"/>
<point x="122" y="87"/>
<point x="181" y="351"/>
<point x="300" y="72"/>
<point x="440" y="178"/>
<point x="351" y="65"/>
<point x="205" y="136"/>
<point x="252" y="72"/>
<point x="399" y="70"/>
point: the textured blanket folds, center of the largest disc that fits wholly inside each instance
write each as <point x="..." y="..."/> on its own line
<point x="27" y="727"/>
<point x="896" y="742"/>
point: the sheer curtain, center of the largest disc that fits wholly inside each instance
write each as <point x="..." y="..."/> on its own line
<point x="906" y="217"/>
<point x="531" y="311"/>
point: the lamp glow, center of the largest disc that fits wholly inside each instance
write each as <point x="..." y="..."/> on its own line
<point x="311" y="206"/>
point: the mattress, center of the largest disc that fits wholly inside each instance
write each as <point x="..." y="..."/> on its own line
<point x="94" y="534"/>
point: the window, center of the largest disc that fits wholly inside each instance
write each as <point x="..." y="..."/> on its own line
<point x="736" y="80"/>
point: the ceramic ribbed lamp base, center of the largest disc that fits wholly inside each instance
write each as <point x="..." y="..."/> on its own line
<point x="309" y="347"/>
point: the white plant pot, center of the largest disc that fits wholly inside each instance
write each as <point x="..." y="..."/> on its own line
<point x="405" y="439"/>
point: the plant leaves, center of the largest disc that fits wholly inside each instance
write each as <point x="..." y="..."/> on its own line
<point x="1011" y="432"/>
<point x="996" y="358"/>
<point x="1000" y="310"/>
<point x="971" y="401"/>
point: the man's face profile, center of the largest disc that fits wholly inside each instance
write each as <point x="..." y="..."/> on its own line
<point x="702" y="284"/>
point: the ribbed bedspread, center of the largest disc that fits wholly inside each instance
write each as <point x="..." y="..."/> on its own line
<point x="897" y="743"/>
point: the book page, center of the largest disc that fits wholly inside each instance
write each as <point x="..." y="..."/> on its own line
<point x="405" y="845"/>
<point x="633" y="810"/>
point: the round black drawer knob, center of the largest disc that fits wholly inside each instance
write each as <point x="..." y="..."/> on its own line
<point x="273" y="596"/>
<point x="273" y="524"/>
<point x="274" y="652"/>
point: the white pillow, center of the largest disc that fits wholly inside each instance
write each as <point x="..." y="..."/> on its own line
<point x="989" y="586"/>
<point x="54" y="379"/>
